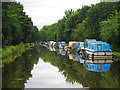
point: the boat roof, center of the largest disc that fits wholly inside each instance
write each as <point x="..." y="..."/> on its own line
<point x="97" y="42"/>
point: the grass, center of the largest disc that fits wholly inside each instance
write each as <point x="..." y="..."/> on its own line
<point x="10" y="53"/>
<point x="117" y="56"/>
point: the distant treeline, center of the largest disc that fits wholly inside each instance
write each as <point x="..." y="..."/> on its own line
<point x="100" y="21"/>
<point x="17" y="27"/>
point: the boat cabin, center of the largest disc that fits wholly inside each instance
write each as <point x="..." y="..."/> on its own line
<point x="80" y="45"/>
<point x="63" y="43"/>
<point x="73" y="45"/>
<point x="97" y="46"/>
<point x="54" y="44"/>
<point x="50" y="43"/>
<point x="58" y="44"/>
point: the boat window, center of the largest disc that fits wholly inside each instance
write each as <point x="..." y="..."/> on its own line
<point x="87" y="44"/>
<point x="92" y="47"/>
<point x="99" y="67"/>
<point x="99" y="47"/>
<point x="86" y="66"/>
<point x="91" y="66"/>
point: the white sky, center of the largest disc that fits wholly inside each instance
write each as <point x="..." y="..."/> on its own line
<point x="47" y="12"/>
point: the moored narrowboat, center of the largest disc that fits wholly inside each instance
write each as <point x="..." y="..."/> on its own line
<point x="62" y="45"/>
<point x="58" y="44"/>
<point x="50" y="43"/>
<point x="97" y="50"/>
<point x="73" y="45"/>
<point x="54" y="43"/>
<point x="80" y="46"/>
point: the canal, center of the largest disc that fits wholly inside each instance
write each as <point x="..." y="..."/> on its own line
<point x="43" y="67"/>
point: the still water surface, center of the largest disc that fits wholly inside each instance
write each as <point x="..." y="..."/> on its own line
<point x="44" y="68"/>
<point x="46" y="75"/>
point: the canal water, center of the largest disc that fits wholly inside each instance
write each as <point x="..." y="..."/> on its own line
<point x="43" y="67"/>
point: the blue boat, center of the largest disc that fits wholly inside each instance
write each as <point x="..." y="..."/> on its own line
<point x="58" y="44"/>
<point x="80" y="45"/>
<point x="62" y="45"/>
<point x="97" y="49"/>
<point x="53" y="45"/>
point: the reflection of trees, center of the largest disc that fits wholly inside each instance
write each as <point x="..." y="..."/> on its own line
<point x="111" y="78"/>
<point x="15" y="74"/>
<point x="75" y="72"/>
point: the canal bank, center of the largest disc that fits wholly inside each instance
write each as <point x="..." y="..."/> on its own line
<point x="10" y="53"/>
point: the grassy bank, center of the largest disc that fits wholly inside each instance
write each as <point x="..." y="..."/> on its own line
<point x="10" y="53"/>
<point x="117" y="56"/>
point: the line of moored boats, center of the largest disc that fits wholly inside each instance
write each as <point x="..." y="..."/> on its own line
<point x="95" y="55"/>
<point x="90" y="48"/>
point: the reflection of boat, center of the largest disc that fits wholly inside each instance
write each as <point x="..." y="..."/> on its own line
<point x="62" y="51"/>
<point x="73" y="55"/>
<point x="97" y="49"/>
<point x="98" y="65"/>
<point x="51" y="48"/>
<point x="80" y="59"/>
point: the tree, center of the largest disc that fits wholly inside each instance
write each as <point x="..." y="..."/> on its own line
<point x="110" y="29"/>
<point x="17" y="27"/>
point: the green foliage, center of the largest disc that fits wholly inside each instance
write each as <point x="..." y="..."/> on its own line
<point x="100" y="21"/>
<point x="10" y="53"/>
<point x="17" y="27"/>
<point x="110" y="31"/>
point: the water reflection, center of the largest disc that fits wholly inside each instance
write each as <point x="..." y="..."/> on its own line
<point x="38" y="65"/>
<point x="98" y="65"/>
<point x="15" y="74"/>
<point x="73" y="55"/>
<point x="61" y="51"/>
<point x="46" y="75"/>
<point x="51" y="48"/>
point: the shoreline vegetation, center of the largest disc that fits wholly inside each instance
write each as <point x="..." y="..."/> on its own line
<point x="10" y="53"/>
<point x="100" y="22"/>
<point x="18" y="32"/>
<point x="117" y="56"/>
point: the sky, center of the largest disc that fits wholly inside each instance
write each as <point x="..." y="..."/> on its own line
<point x="47" y="12"/>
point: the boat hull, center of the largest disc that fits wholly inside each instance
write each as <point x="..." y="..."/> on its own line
<point x="99" y="55"/>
